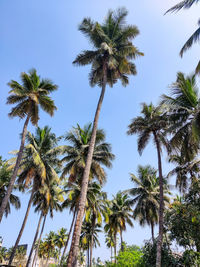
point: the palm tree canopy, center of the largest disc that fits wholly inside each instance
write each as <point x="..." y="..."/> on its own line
<point x="87" y="232"/>
<point x="40" y="158"/>
<point x="28" y="96"/>
<point x="153" y="120"/>
<point x="113" y="48"/>
<point x="5" y="176"/>
<point x="184" y="111"/>
<point x="49" y="198"/>
<point x="76" y="154"/>
<point x="146" y="195"/>
<point x="121" y="213"/>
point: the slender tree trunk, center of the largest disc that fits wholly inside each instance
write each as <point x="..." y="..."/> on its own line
<point x="38" y="245"/>
<point x="92" y="239"/>
<point x="69" y="235"/>
<point x="22" y="228"/>
<point x="15" y="171"/>
<point x="88" y="258"/>
<point x="72" y="258"/>
<point x="115" y="247"/>
<point x="161" y="208"/>
<point x="152" y="231"/>
<point x="34" y="240"/>
<point x="122" y="246"/>
<point x="111" y="254"/>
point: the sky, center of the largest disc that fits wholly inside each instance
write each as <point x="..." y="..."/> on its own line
<point x="44" y="35"/>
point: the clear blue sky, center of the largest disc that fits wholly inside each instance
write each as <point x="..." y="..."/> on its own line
<point x="43" y="34"/>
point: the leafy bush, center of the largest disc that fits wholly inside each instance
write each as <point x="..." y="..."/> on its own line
<point x="168" y="258"/>
<point x="130" y="257"/>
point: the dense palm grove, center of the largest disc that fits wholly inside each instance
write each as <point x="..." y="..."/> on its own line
<point x="68" y="173"/>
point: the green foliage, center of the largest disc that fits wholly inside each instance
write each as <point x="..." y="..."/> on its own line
<point x="113" y="49"/>
<point x="130" y="257"/>
<point x="5" y="176"/>
<point x="183" y="219"/>
<point x="149" y="256"/>
<point x="191" y="258"/>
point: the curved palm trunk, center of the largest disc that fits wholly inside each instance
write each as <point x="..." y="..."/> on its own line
<point x="15" y="171"/>
<point x="88" y="257"/>
<point x="38" y="245"/>
<point x="34" y="240"/>
<point x="68" y="238"/>
<point x="72" y="258"/>
<point x="152" y="231"/>
<point x="161" y="208"/>
<point x="22" y="228"/>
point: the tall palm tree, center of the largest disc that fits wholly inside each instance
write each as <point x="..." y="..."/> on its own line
<point x="146" y="196"/>
<point x="194" y="38"/>
<point x="110" y="243"/>
<point x="121" y="215"/>
<point x="37" y="166"/>
<point x="89" y="234"/>
<point x="73" y="191"/>
<point x="76" y="155"/>
<point x="28" y="97"/>
<point x="111" y="60"/>
<point x="46" y="199"/>
<point x="60" y="239"/>
<point x="5" y="176"/>
<point x="153" y="122"/>
<point x="95" y="210"/>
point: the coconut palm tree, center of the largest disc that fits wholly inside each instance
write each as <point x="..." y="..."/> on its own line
<point x="153" y="122"/>
<point x="184" y="170"/>
<point x="77" y="150"/>
<point x="94" y="193"/>
<point x="110" y="243"/>
<point x="121" y="215"/>
<point x="60" y="239"/>
<point x="76" y="154"/>
<point x="5" y="176"/>
<point x="184" y="109"/>
<point x="89" y="233"/>
<point x="111" y="60"/>
<point x="95" y="210"/>
<point x="28" y="97"/>
<point x="46" y="200"/>
<point x="37" y="166"/>
<point x="146" y="196"/>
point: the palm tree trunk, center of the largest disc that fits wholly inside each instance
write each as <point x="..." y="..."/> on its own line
<point x="15" y="171"/>
<point x="92" y="239"/>
<point x="38" y="245"/>
<point x="161" y="208"/>
<point x="115" y="247"/>
<point x="152" y="231"/>
<point x="34" y="240"/>
<point x="122" y="246"/>
<point x="88" y="258"/>
<point x="72" y="258"/>
<point x="22" y="228"/>
<point x="69" y="235"/>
